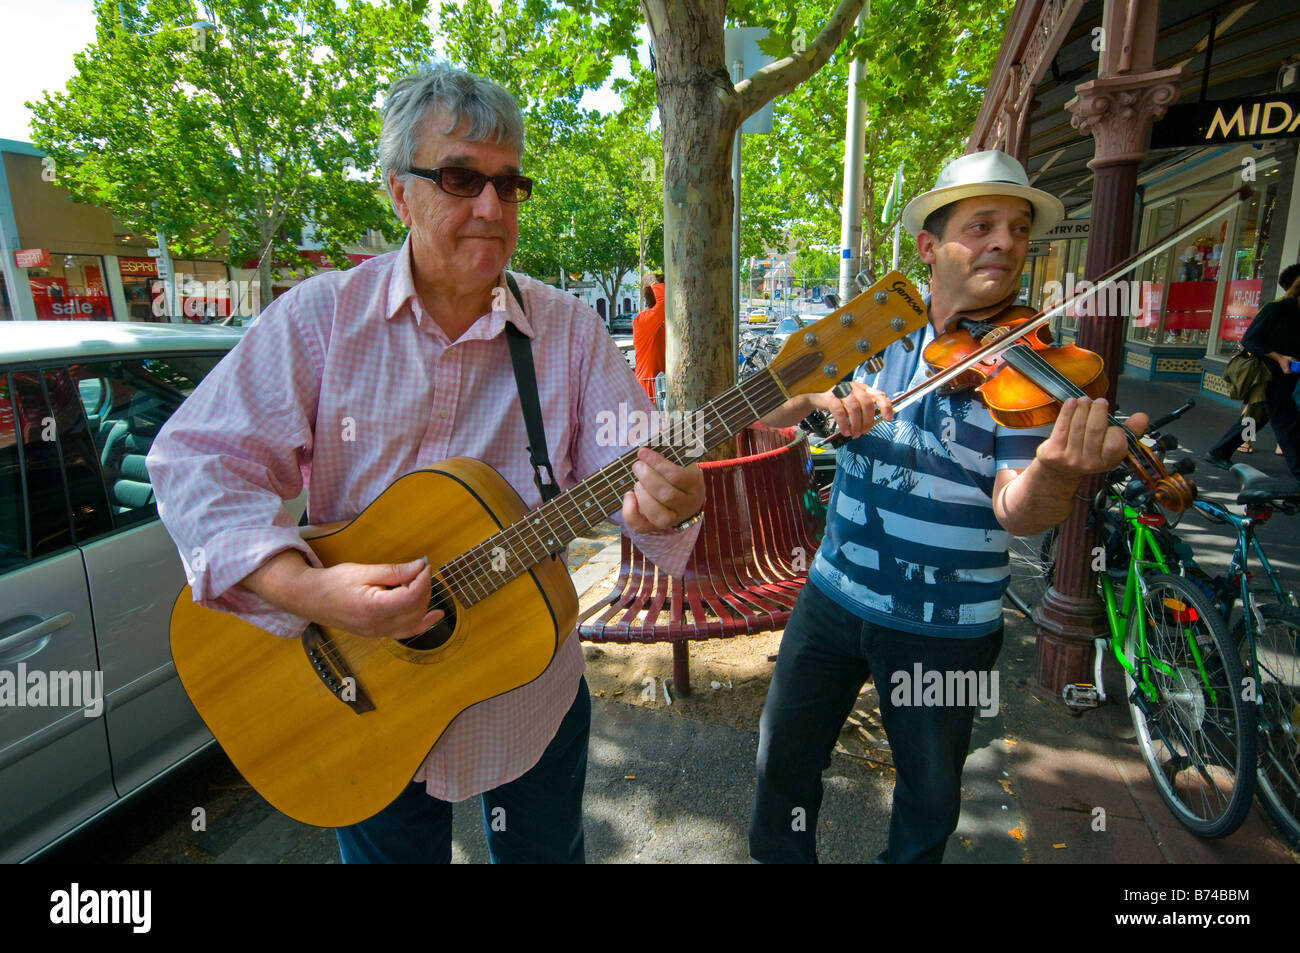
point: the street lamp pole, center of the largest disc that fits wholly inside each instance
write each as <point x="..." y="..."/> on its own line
<point x="851" y="216"/>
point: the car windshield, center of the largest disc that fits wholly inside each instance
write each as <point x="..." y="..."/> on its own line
<point x="787" y="326"/>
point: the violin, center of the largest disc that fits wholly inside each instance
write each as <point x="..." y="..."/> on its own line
<point x="1025" y="383"/>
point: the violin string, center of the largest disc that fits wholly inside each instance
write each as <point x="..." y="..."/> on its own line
<point x="1041" y="365"/>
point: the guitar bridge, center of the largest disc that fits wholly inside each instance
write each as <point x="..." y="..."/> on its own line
<point x="333" y="671"/>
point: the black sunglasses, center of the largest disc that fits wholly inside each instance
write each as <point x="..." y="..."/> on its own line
<point x="468" y="184"/>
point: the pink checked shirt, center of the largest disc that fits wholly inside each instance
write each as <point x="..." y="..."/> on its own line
<point x="345" y="384"/>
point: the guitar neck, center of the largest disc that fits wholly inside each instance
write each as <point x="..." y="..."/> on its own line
<point x="547" y="530"/>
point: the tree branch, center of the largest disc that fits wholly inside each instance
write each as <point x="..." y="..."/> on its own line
<point x="785" y="74"/>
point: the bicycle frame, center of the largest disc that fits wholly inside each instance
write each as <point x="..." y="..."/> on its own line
<point x="1118" y="610"/>
<point x="1244" y="527"/>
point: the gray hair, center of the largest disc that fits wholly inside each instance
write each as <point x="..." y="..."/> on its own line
<point x="490" y="111"/>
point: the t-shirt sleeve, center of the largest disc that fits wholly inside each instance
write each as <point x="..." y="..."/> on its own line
<point x="1015" y="449"/>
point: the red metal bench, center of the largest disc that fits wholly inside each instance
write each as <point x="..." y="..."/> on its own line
<point x="757" y="538"/>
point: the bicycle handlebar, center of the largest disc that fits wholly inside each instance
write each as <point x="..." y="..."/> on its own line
<point x="1170" y="417"/>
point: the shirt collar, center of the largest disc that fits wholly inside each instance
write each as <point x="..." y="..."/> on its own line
<point x="401" y="291"/>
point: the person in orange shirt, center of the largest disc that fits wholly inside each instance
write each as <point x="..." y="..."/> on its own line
<point x="648" y="342"/>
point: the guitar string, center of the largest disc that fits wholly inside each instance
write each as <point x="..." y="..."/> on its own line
<point x="606" y="480"/>
<point x="614" y="474"/>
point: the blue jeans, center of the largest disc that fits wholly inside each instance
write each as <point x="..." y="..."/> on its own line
<point x="827" y="653"/>
<point x="536" y="818"/>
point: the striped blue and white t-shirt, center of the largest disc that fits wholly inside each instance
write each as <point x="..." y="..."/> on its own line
<point x="911" y="541"/>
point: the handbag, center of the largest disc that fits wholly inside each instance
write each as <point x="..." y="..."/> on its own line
<point x="1247" y="376"/>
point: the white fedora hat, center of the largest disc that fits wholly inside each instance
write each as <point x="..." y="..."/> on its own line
<point x="984" y="173"/>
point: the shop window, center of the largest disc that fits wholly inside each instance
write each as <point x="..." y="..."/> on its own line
<point x="203" y="291"/>
<point x="70" y="288"/>
<point x="138" y="278"/>
<point x="1243" y="261"/>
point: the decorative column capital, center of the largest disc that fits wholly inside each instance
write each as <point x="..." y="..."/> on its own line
<point x="1117" y="111"/>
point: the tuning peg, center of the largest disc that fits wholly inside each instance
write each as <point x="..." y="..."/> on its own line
<point x="908" y="344"/>
<point x="864" y="279"/>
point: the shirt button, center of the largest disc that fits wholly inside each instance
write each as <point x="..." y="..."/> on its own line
<point x="442" y="414"/>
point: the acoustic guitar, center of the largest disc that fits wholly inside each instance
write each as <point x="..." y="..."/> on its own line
<point x="331" y="727"/>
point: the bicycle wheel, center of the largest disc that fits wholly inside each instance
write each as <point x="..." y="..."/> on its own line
<point x="1032" y="561"/>
<point x="1197" y="736"/>
<point x="1277" y="688"/>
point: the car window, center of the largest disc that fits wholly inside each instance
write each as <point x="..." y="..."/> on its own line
<point x="13" y="524"/>
<point x="121" y="406"/>
<point x="46" y="512"/>
<point x="85" y="481"/>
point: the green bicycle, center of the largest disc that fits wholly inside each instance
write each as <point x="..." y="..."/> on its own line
<point x="1182" y="672"/>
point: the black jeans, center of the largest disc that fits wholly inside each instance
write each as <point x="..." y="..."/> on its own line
<point x="827" y="653"/>
<point x="536" y="818"/>
<point x="1282" y="414"/>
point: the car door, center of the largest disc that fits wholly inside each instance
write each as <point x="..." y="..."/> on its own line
<point x="55" y="769"/>
<point x="134" y="571"/>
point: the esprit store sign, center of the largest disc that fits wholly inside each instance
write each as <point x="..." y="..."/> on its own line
<point x="130" y="267"/>
<point x="32" y="257"/>
<point x="1229" y="120"/>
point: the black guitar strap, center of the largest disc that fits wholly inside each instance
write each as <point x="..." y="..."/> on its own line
<point x="521" y="355"/>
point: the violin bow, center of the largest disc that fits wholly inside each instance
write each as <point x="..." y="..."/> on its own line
<point x="993" y="348"/>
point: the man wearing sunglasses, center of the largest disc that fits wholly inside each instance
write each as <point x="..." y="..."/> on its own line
<point x="354" y="378"/>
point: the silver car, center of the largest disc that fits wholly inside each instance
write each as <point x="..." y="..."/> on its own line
<point x="91" y="710"/>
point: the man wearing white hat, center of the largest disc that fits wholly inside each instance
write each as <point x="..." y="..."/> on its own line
<point x="907" y="584"/>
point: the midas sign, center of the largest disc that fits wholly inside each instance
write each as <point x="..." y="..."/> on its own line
<point x="1233" y="120"/>
<point x="1276" y="116"/>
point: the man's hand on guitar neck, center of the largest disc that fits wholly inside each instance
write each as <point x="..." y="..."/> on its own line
<point x="665" y="495"/>
<point x="379" y="601"/>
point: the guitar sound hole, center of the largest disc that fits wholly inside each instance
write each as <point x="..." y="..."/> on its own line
<point x="441" y="633"/>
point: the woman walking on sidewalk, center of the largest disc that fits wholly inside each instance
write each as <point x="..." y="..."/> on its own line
<point x="1274" y="336"/>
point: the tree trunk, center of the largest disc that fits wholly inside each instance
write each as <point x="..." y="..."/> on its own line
<point x="700" y="114"/>
<point x="264" y="279"/>
<point x="701" y="111"/>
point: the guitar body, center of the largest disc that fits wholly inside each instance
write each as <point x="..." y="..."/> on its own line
<point x="298" y="741"/>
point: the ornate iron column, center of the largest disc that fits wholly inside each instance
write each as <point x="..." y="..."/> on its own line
<point x="1117" y="110"/>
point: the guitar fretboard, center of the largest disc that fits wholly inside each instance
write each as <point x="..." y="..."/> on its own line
<point x="547" y="530"/>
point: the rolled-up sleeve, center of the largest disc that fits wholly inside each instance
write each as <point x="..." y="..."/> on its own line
<point x="230" y="456"/>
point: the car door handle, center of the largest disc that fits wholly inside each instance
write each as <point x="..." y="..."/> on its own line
<point x="12" y="646"/>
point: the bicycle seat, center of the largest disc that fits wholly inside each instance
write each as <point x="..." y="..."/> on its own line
<point x="1255" y="486"/>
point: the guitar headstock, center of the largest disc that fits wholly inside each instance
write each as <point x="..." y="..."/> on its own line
<point x="816" y="357"/>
